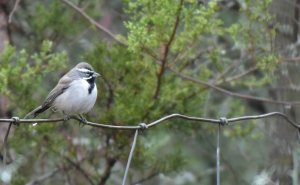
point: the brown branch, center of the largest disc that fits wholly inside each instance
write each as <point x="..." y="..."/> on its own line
<point x="293" y="59"/>
<point x="13" y="11"/>
<point x="233" y="94"/>
<point x="93" y="22"/>
<point x="184" y="51"/>
<point x="103" y="29"/>
<point x="110" y="162"/>
<point x="43" y="177"/>
<point x="78" y="168"/>
<point x="239" y="76"/>
<point x="160" y="74"/>
<point x="296" y="25"/>
<point x="150" y="176"/>
<point x="150" y="53"/>
<point x="165" y="52"/>
<point x="232" y="66"/>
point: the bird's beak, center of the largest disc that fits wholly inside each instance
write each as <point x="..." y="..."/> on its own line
<point x="96" y="74"/>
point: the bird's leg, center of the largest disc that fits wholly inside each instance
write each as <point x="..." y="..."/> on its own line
<point x="66" y="117"/>
<point x="53" y="109"/>
<point x="82" y="119"/>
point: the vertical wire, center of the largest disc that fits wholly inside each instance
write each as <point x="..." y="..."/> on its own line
<point x="218" y="156"/>
<point x="130" y="156"/>
<point x="5" y="144"/>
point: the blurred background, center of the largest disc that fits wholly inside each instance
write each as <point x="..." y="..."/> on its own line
<point x="205" y="58"/>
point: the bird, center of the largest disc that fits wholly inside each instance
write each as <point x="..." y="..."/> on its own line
<point x="74" y="94"/>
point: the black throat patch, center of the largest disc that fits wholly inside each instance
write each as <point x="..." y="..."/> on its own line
<point x="91" y="81"/>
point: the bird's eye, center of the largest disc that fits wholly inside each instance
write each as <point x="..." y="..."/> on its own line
<point x="88" y="74"/>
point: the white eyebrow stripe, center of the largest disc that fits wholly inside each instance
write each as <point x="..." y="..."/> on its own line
<point x="87" y="78"/>
<point x="83" y="70"/>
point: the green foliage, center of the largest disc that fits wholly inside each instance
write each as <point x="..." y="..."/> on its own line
<point x="205" y="46"/>
<point x="268" y="62"/>
<point x="201" y="28"/>
<point x="148" y="29"/>
<point x="51" y="20"/>
<point x="19" y="70"/>
<point x="22" y="75"/>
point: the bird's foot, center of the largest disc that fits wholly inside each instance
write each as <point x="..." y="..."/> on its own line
<point x="82" y="121"/>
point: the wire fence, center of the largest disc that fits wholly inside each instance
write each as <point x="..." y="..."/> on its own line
<point x="223" y="121"/>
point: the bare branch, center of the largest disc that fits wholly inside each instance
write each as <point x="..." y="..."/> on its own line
<point x="13" y="11"/>
<point x="292" y="59"/>
<point x="81" y="170"/>
<point x="103" y="29"/>
<point x="145" y="178"/>
<point x="93" y="22"/>
<point x="234" y="94"/>
<point x="165" y="51"/>
<point x="44" y="177"/>
<point x="184" y="51"/>
<point x="241" y="75"/>
<point x="110" y="162"/>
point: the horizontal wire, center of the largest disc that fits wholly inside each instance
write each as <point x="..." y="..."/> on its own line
<point x="222" y="121"/>
<point x="265" y="116"/>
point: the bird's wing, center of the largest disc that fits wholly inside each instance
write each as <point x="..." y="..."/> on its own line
<point x="60" y="88"/>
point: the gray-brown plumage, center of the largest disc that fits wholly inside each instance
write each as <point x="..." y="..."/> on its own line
<point x="80" y="78"/>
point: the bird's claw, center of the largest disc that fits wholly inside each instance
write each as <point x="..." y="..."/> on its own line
<point x="82" y="121"/>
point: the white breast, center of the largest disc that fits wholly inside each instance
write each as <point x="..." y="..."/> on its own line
<point x="76" y="99"/>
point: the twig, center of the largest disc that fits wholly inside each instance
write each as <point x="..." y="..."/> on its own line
<point x="296" y="17"/>
<point x="13" y="10"/>
<point x="110" y="162"/>
<point x="295" y="59"/>
<point x="184" y="51"/>
<point x="236" y="77"/>
<point x="145" y="178"/>
<point x="44" y="177"/>
<point x="93" y="22"/>
<point x="103" y="29"/>
<point x="165" y="52"/>
<point x="230" y="68"/>
<point x="234" y="94"/>
<point x="78" y="168"/>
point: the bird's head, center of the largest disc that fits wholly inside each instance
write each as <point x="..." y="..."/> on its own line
<point x="86" y="71"/>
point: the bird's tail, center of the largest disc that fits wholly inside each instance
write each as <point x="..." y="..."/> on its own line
<point x="36" y="112"/>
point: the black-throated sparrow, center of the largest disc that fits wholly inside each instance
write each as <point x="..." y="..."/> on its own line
<point x="75" y="93"/>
